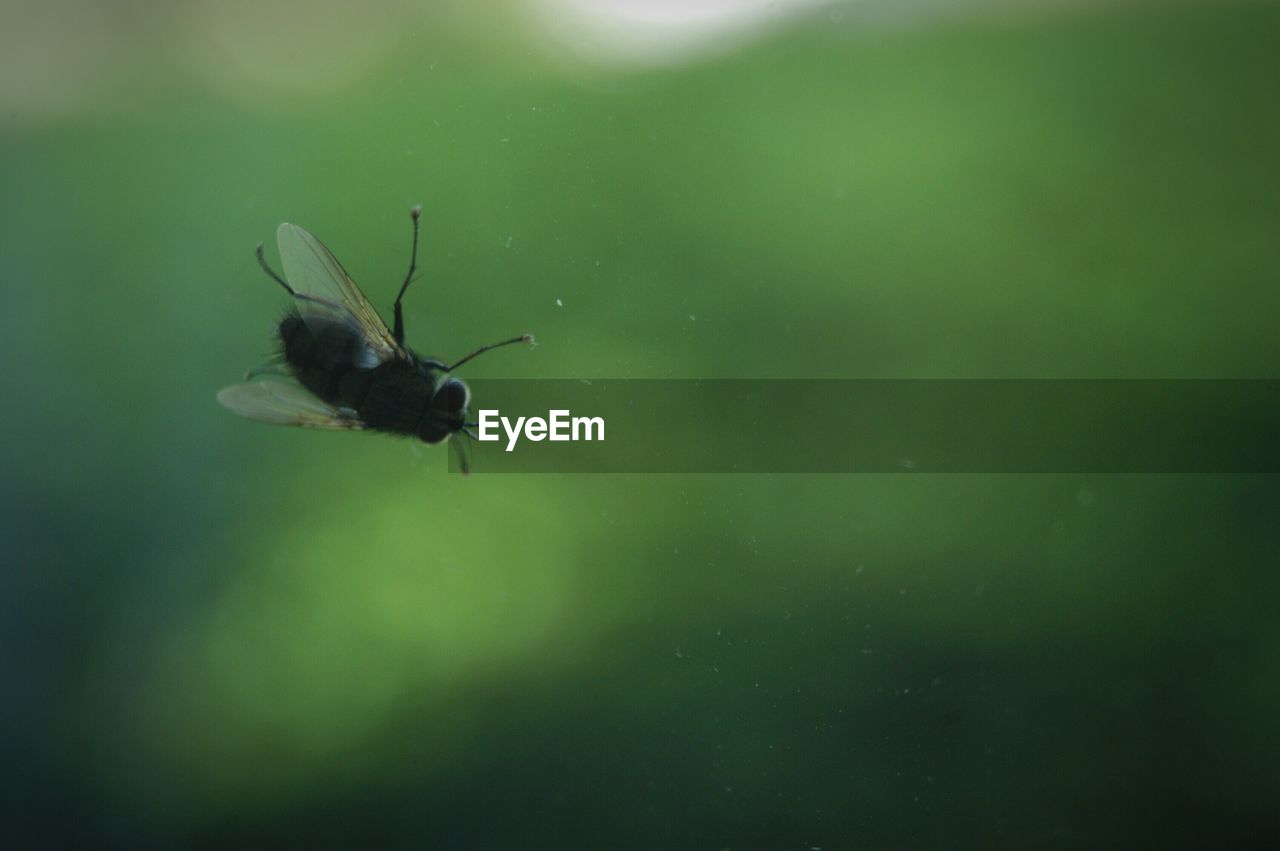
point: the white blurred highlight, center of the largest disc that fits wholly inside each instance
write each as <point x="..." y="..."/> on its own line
<point x="660" y="32"/>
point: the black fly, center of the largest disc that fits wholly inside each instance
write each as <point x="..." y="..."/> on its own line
<point x="340" y="367"/>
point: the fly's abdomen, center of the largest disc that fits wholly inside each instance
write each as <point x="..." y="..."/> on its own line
<point x="323" y="356"/>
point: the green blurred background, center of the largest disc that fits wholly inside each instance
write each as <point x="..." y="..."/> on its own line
<point x="218" y="632"/>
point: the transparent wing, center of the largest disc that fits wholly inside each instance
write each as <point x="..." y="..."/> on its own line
<point x="285" y="403"/>
<point x="314" y="272"/>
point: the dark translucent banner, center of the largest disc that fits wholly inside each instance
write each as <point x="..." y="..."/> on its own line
<point x="878" y="426"/>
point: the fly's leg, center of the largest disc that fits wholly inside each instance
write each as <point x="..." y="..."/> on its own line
<point x="523" y="338"/>
<point x="464" y="456"/>
<point x="415" y="213"/>
<point x="262" y="261"/>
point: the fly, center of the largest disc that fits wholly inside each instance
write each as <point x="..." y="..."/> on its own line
<point x="340" y="367"/>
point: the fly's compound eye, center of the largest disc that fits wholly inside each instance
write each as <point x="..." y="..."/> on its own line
<point x="453" y="398"/>
<point x="448" y="412"/>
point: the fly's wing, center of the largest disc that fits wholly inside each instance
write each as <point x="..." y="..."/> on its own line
<point x="328" y="293"/>
<point x="285" y="403"/>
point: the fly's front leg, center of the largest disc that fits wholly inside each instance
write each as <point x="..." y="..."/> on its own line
<point x="398" y="332"/>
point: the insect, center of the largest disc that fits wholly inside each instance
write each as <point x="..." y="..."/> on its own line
<point x="339" y="366"/>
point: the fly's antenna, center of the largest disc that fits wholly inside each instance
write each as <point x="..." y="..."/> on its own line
<point x="523" y="338"/>
<point x="262" y="261"/>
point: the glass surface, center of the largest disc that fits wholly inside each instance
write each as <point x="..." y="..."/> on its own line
<point x="223" y="632"/>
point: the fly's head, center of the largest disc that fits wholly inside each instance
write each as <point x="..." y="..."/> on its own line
<point x="447" y="412"/>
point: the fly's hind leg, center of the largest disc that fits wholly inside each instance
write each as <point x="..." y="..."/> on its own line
<point x="262" y="261"/>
